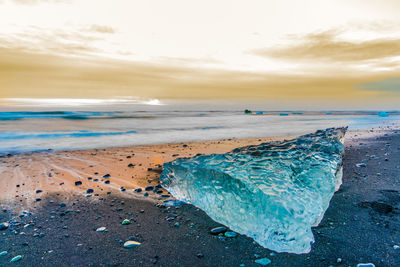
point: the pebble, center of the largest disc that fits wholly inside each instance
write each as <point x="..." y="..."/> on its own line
<point x="101" y="229"/>
<point x="218" y="230"/>
<point x="396" y="247"/>
<point x="359" y="165"/>
<point x="149" y="188"/>
<point x="131" y="244"/>
<point x="78" y="183"/>
<point x="89" y="191"/>
<point x="3" y="253"/>
<point x="3" y="226"/>
<point x="365" y="265"/>
<point x="199" y="255"/>
<point x="16" y="258"/>
<point x="126" y="221"/>
<point x="230" y="234"/>
<point x="263" y="261"/>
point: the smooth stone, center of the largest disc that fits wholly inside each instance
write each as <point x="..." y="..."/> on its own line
<point x="89" y="191"/>
<point x="263" y="261"/>
<point x="78" y="183"/>
<point x="16" y="258"/>
<point x="365" y="265"/>
<point x="230" y="234"/>
<point x="126" y="221"/>
<point x="101" y="229"/>
<point x="218" y="230"/>
<point x="3" y="226"/>
<point x="3" y="253"/>
<point x="131" y="244"/>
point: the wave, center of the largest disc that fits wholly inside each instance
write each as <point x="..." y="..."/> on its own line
<point x="32" y="135"/>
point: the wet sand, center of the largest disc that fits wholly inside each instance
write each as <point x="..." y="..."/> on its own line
<point x="362" y="223"/>
<point x="103" y="170"/>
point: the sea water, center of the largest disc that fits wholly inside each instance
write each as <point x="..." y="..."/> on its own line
<point x="54" y="127"/>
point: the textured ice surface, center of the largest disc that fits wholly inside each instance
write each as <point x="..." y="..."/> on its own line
<point x="273" y="192"/>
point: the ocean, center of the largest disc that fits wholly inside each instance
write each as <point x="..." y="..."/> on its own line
<point x="31" y="129"/>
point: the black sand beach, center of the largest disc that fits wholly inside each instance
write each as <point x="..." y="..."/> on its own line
<point x="362" y="224"/>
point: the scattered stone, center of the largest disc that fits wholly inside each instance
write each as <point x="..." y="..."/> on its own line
<point x="230" y="234"/>
<point x="62" y="204"/>
<point x="130" y="165"/>
<point x="359" y="165"/>
<point x="149" y="188"/>
<point x="263" y="261"/>
<point x="339" y="260"/>
<point x="131" y="244"/>
<point x="89" y="191"/>
<point x="3" y="253"/>
<point x="78" y="183"/>
<point x="365" y="265"/>
<point x="16" y="258"/>
<point x="138" y="190"/>
<point x="4" y="226"/>
<point x="396" y="247"/>
<point x="107" y="175"/>
<point x="125" y="222"/>
<point x="146" y="194"/>
<point x="101" y="229"/>
<point x="38" y="191"/>
<point x="199" y="255"/>
<point x="218" y="230"/>
<point x="107" y="182"/>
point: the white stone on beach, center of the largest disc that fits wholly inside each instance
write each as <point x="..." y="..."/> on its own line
<point x="131" y="244"/>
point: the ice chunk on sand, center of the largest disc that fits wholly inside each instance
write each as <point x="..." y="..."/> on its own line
<point x="273" y="192"/>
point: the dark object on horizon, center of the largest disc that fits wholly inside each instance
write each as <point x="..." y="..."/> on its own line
<point x="246" y="111"/>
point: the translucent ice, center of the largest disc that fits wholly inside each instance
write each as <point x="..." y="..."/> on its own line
<point x="273" y="192"/>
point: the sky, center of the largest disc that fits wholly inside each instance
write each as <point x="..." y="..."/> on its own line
<point x="336" y="54"/>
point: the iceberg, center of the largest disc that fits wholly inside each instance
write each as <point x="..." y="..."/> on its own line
<point x="272" y="192"/>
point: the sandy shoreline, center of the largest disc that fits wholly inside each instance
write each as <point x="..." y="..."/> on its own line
<point x="103" y="170"/>
<point x="361" y="224"/>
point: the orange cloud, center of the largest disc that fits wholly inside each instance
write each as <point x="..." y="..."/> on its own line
<point x="325" y="46"/>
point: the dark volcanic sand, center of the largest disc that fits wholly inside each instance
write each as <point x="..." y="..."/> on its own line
<point x="362" y="224"/>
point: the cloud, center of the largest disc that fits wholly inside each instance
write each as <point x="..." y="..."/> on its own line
<point x="101" y="29"/>
<point x="326" y="46"/>
<point x="34" y="2"/>
<point x="27" y="74"/>
<point x="39" y="40"/>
